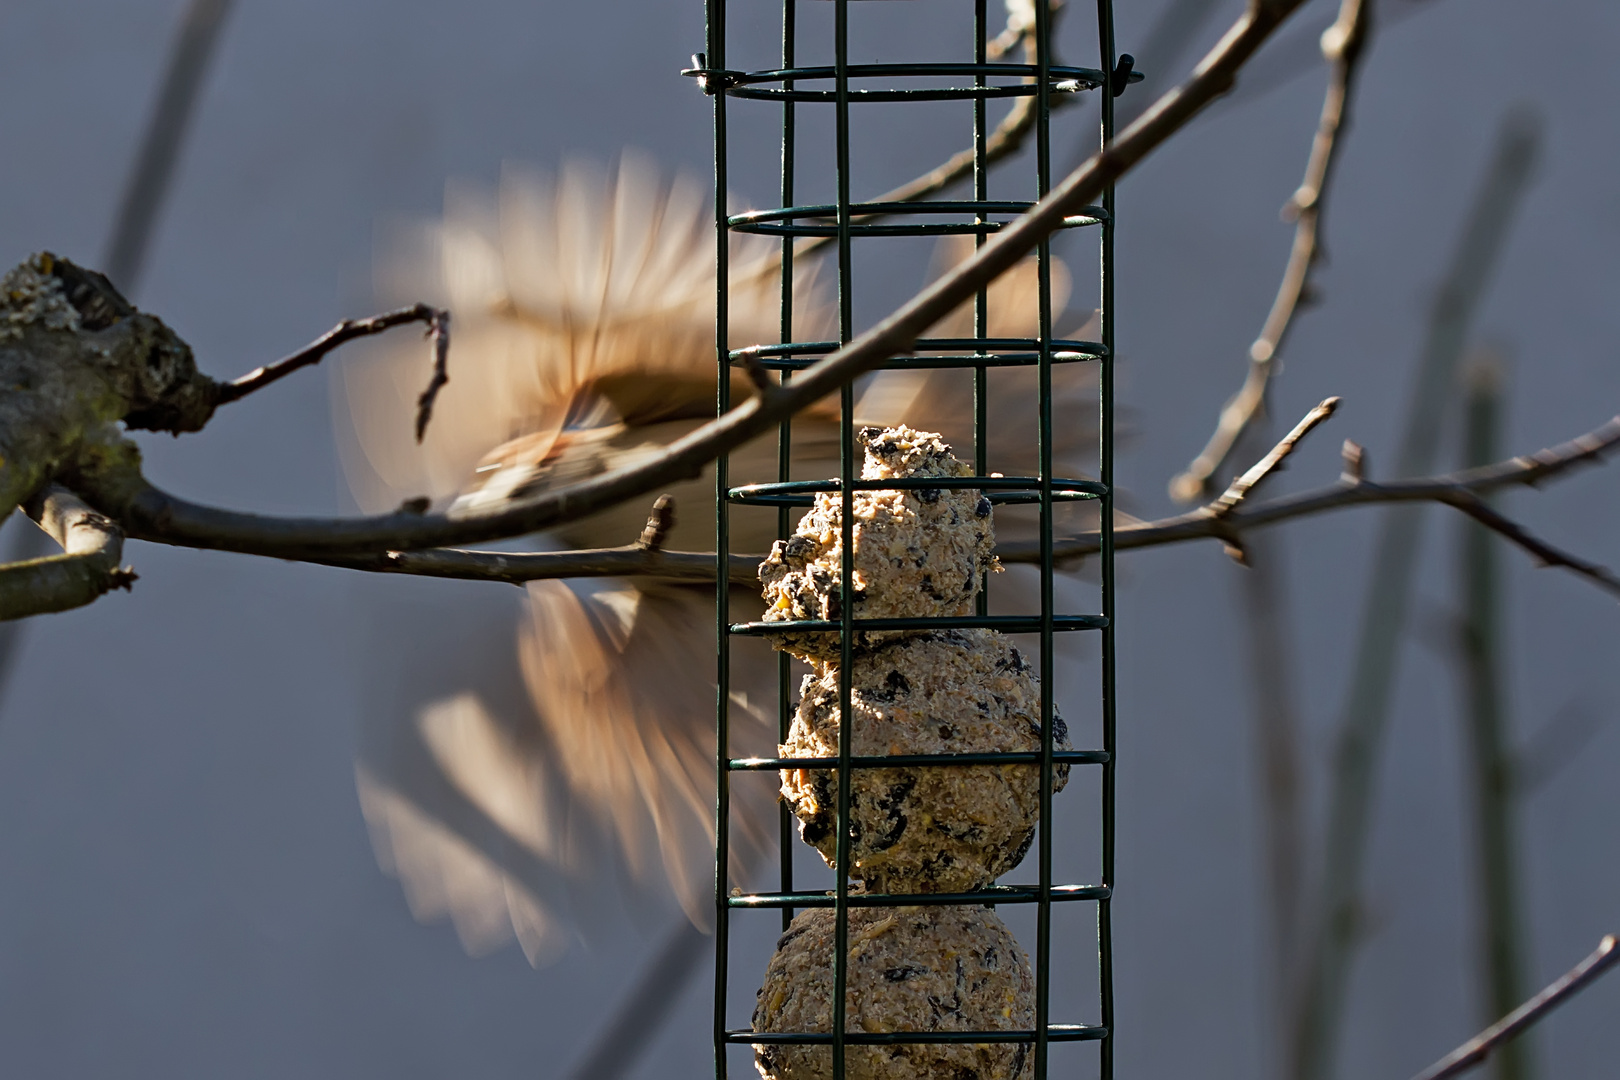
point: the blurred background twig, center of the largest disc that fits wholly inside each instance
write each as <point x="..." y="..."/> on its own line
<point x="1480" y="664"/>
<point x="1360" y="737"/>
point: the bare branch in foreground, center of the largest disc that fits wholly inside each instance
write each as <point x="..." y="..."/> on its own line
<point x="92" y="548"/>
<point x="1478" y="1048"/>
<point x="150" y="514"/>
<point x="1342" y="45"/>
<point x="438" y="324"/>
<point x="1462" y="490"/>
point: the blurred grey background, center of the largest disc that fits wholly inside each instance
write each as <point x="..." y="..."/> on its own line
<point x="186" y="885"/>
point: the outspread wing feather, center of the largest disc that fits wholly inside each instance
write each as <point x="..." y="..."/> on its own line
<point x="589" y="289"/>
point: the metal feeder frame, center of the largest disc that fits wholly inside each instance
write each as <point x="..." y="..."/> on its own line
<point x="842" y="85"/>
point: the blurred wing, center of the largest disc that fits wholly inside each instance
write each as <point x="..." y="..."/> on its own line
<point x="587" y="292"/>
<point x="576" y="780"/>
<point x="454" y="782"/>
<point x="623" y="679"/>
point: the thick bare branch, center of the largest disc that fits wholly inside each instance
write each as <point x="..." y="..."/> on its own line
<point x="1342" y="45"/>
<point x="151" y="514"/>
<point x="1462" y="490"/>
<point x="92" y="547"/>
<point x="1572" y="982"/>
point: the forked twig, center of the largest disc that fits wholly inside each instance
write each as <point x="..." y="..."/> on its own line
<point x="438" y="324"/>
<point x="1342" y="45"/>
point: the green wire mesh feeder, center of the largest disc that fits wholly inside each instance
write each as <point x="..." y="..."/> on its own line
<point x="841" y="86"/>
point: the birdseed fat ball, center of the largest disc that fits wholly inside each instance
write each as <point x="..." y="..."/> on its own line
<point x="934" y="828"/>
<point x="910" y="969"/>
<point x="918" y="552"/>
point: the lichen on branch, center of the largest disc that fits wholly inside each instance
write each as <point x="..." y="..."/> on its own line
<point x="76" y="359"/>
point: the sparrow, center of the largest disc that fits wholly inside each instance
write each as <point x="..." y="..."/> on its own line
<point x="583" y="307"/>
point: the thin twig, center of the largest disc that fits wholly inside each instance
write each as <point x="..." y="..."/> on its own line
<point x="438" y="323"/>
<point x="439" y="333"/>
<point x="1342" y="45"/>
<point x="1572" y="982"/>
<point x="1273" y="462"/>
<point x="154" y="515"/>
<point x="1544" y="552"/>
<point x="92" y="547"/>
<point x="514" y="568"/>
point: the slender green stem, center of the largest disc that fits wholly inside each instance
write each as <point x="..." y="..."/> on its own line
<point x="1480" y="659"/>
<point x="1366" y="715"/>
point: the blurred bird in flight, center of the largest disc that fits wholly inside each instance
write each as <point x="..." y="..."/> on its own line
<point x="583" y="311"/>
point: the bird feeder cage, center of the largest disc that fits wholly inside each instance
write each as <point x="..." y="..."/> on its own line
<point x="972" y="78"/>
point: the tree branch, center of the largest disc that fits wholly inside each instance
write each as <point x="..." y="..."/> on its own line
<point x="151" y="514"/>
<point x="1462" y="490"/>
<point x="92" y="548"/>
<point x="438" y="324"/>
<point x="1272" y="462"/>
<point x="1342" y="45"/>
<point x="631" y="560"/>
<point x="1572" y="982"/>
<point x="1542" y="551"/>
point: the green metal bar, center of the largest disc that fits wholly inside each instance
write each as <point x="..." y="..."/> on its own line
<point x="1054" y="1032"/>
<point x="1007" y="624"/>
<point x="784" y="448"/>
<point x="716" y="44"/>
<point x="846" y="474"/>
<point x="906" y="761"/>
<point x="1048" y="664"/>
<point x="1105" y="923"/>
<point x="996" y="894"/>
<point x="981" y="305"/>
